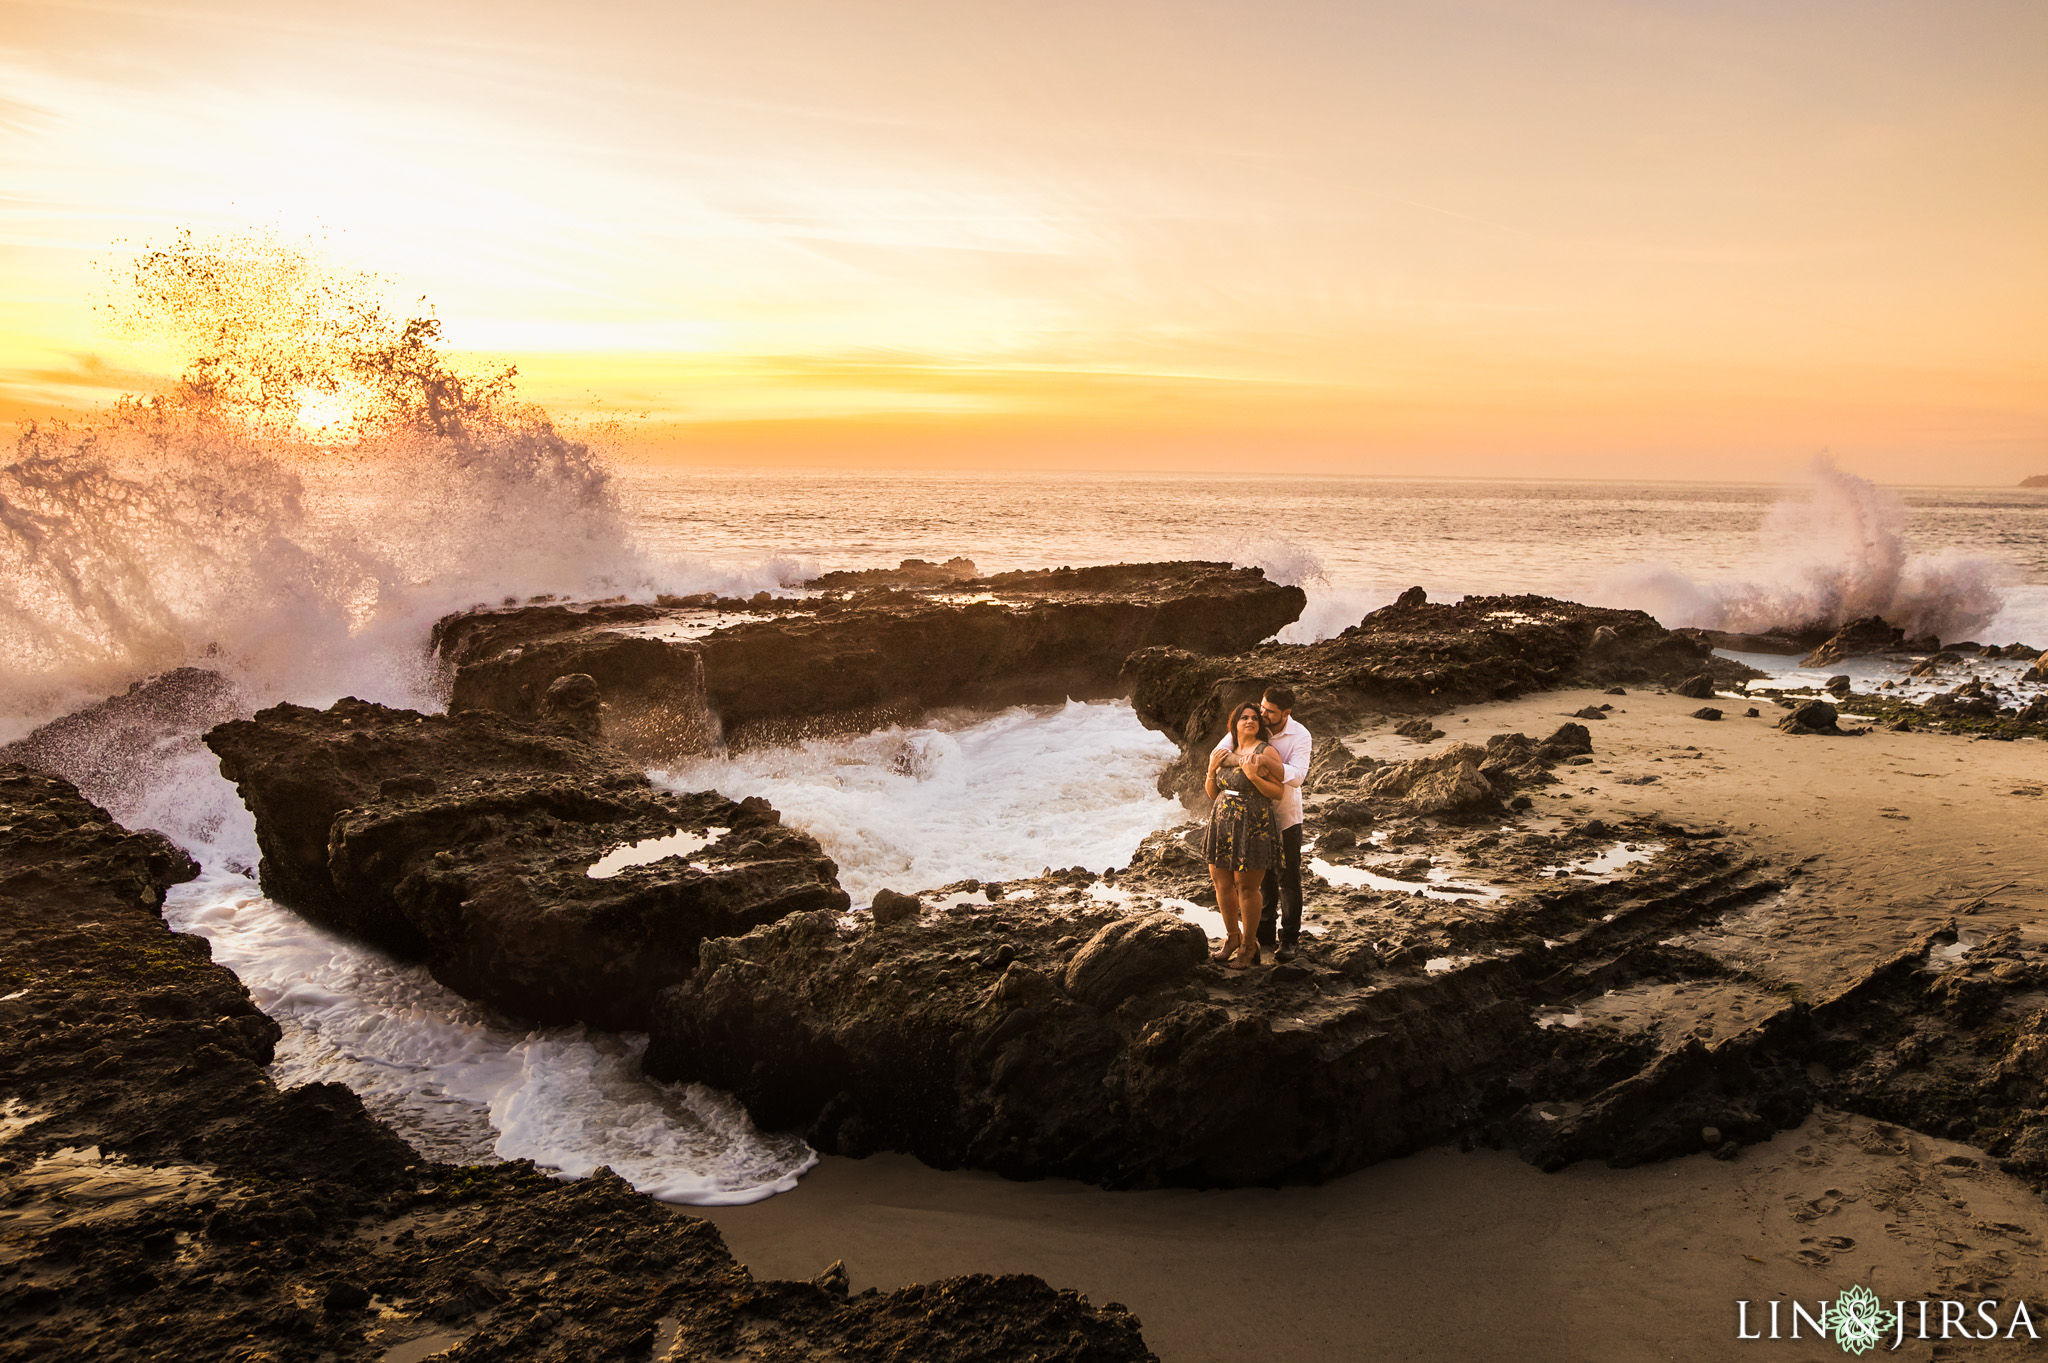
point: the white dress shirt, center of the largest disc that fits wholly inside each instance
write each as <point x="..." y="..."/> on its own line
<point x="1291" y="746"/>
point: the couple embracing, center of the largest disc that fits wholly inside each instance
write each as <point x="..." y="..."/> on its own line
<point x="1254" y="839"/>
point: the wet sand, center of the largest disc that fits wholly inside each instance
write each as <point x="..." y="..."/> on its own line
<point x="1449" y="1255"/>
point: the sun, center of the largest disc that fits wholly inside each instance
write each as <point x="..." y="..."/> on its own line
<point x="327" y="415"/>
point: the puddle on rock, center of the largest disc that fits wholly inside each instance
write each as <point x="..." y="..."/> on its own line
<point x="680" y="843"/>
<point x="1439" y="885"/>
<point x="424" y="1347"/>
<point x="1608" y="864"/>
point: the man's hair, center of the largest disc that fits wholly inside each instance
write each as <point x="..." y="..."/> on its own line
<point x="1281" y="696"/>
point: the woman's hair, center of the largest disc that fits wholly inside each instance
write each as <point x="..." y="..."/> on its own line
<point x="1265" y="732"/>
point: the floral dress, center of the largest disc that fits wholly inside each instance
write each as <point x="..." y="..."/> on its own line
<point x="1243" y="835"/>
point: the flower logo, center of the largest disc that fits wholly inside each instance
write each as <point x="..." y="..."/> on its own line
<point x="1856" y="1319"/>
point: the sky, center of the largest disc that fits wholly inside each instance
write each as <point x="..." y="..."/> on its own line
<point x="1575" y="238"/>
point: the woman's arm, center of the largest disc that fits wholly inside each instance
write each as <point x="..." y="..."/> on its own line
<point x="1215" y="761"/>
<point x="1266" y="774"/>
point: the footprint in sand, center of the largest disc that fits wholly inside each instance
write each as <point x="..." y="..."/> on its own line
<point x="1822" y="1251"/>
<point x="1814" y="1208"/>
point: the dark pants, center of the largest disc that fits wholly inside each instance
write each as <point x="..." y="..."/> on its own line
<point x="1282" y="889"/>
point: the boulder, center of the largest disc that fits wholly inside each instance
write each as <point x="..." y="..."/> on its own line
<point x="1811" y="717"/>
<point x="1134" y="955"/>
<point x="1857" y="639"/>
<point x="1448" y="782"/>
<point x="1421" y="730"/>
<point x="573" y="700"/>
<point x="1839" y="685"/>
<point x="1700" y="687"/>
<point x="503" y="854"/>
<point x="890" y="907"/>
<point x="2037" y="674"/>
<point x="1570" y="740"/>
<point x="1590" y="712"/>
<point x="1706" y="712"/>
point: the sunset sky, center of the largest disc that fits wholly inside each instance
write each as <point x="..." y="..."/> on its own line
<point x="1540" y="238"/>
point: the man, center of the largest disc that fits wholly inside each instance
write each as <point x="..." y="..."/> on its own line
<point x="1280" y="894"/>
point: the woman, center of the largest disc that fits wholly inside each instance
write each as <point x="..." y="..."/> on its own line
<point x="1243" y="839"/>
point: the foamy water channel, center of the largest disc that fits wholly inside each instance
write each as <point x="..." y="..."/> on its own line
<point x="993" y="797"/>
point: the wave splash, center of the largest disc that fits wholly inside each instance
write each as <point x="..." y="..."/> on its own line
<point x="318" y="483"/>
<point x="1837" y="553"/>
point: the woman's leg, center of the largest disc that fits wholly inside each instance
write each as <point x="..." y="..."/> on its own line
<point x="1226" y="906"/>
<point x="1248" y="905"/>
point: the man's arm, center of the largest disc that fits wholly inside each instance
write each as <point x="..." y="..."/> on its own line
<point x="1294" y="757"/>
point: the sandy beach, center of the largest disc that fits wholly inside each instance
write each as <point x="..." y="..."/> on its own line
<point x="1475" y="1255"/>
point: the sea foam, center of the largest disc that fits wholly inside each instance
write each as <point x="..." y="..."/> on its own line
<point x="989" y="798"/>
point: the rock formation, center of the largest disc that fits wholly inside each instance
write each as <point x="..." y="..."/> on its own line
<point x="226" y="1219"/>
<point x="1104" y="1046"/>
<point x="676" y="676"/>
<point x="1857" y="639"/>
<point x="473" y="842"/>
<point x="1410" y="656"/>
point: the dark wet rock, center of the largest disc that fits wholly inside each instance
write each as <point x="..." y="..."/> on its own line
<point x="233" y="1221"/>
<point x="675" y="678"/>
<point x="1590" y="712"/>
<point x="1794" y="642"/>
<point x="1840" y="685"/>
<point x="1449" y="783"/>
<point x="1971" y="700"/>
<point x="110" y="749"/>
<point x="1570" y="740"/>
<point x="1932" y="664"/>
<point x="467" y="841"/>
<point x="1336" y="840"/>
<point x="890" y="907"/>
<point x="2034" y="711"/>
<point x="1707" y="712"/>
<point x="912" y="572"/>
<point x="1752" y="713"/>
<point x="1134" y="955"/>
<point x="2038" y="673"/>
<point x="1421" y="730"/>
<point x="1405" y="658"/>
<point x="573" y="700"/>
<point x="1857" y="639"/>
<point x="1811" y="717"/>
<point x="1699" y="687"/>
